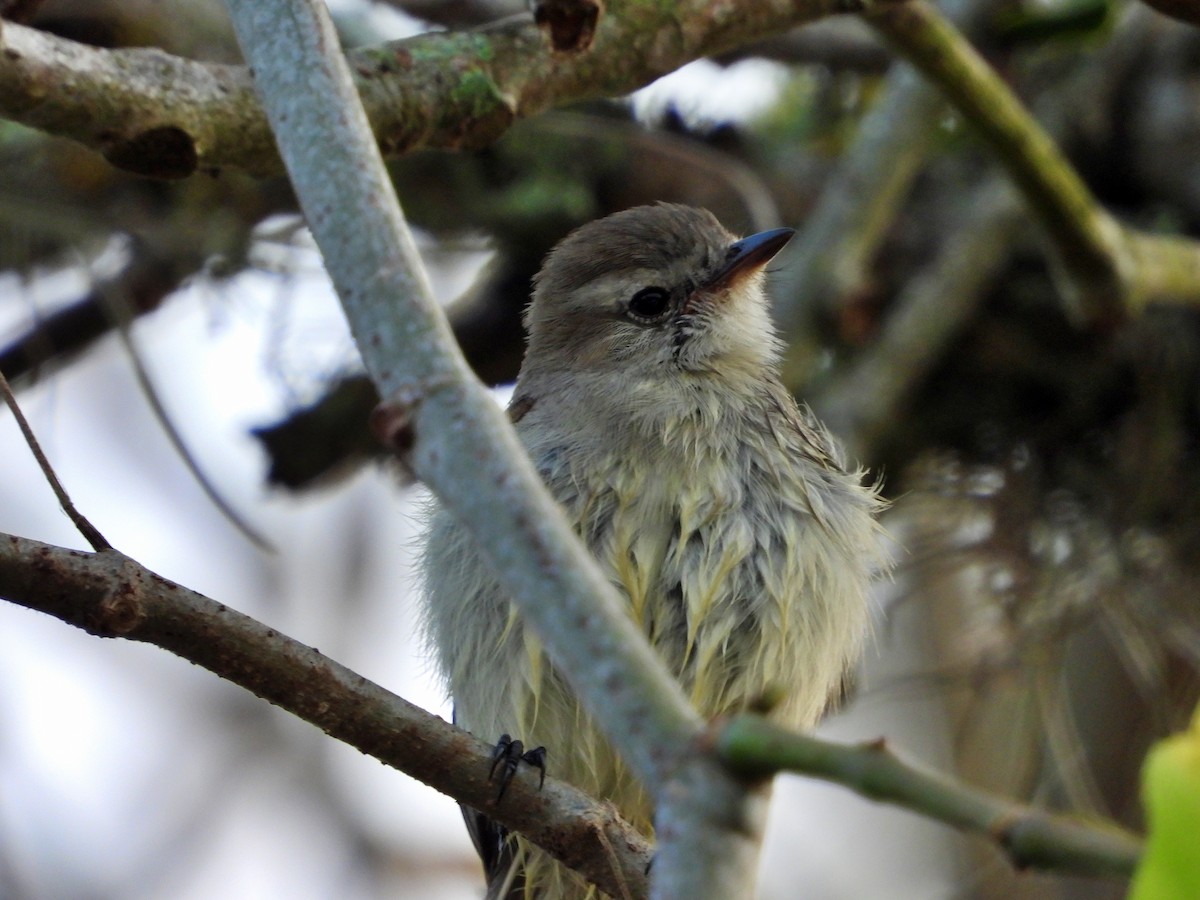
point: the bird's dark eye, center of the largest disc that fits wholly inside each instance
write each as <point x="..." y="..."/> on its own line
<point x="649" y="303"/>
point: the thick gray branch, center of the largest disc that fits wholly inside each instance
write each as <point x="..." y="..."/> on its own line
<point x="454" y="436"/>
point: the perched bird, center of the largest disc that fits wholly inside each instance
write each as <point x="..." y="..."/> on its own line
<point x="650" y="402"/>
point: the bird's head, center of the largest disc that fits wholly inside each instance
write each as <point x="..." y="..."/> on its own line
<point x="653" y="292"/>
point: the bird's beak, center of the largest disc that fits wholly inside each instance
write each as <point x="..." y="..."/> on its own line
<point x="748" y="256"/>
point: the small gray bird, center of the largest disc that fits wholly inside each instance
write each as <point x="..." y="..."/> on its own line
<point x="650" y="402"/>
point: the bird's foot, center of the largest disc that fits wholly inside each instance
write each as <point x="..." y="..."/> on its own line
<point x="508" y="755"/>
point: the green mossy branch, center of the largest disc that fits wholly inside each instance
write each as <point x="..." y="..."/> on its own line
<point x="1109" y="271"/>
<point x="1031" y="838"/>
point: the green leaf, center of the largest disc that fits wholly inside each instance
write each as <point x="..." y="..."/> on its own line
<point x="1170" y="868"/>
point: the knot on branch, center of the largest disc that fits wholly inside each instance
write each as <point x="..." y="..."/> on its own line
<point x="393" y="421"/>
<point x="164" y="152"/>
<point x="392" y="425"/>
<point x="571" y="24"/>
<point x="122" y="610"/>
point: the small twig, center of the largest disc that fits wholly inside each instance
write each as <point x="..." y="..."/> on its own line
<point x="1031" y="838"/>
<point x="67" y="331"/>
<point x="89" y="531"/>
<point x="150" y="392"/>
<point x="1065" y="747"/>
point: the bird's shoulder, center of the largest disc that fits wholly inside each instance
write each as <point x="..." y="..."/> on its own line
<point x="797" y="428"/>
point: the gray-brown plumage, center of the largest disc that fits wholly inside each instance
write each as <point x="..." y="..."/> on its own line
<point x="650" y="401"/>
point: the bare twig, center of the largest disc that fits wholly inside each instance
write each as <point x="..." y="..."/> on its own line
<point x="150" y="392"/>
<point x="1032" y="838"/>
<point x="90" y="532"/>
<point x="148" y="279"/>
<point x="110" y="595"/>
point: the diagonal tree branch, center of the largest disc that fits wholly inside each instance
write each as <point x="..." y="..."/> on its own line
<point x="110" y="595"/>
<point x="157" y="114"/>
<point x="856" y="208"/>
<point x="863" y="401"/>
<point x="441" y="420"/>
<point x="89" y="531"/>
<point x="1111" y="271"/>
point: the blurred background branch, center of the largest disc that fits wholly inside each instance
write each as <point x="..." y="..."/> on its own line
<point x="1110" y="271"/>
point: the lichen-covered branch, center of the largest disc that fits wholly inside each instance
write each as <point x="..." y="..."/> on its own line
<point x="1031" y="838"/>
<point x="161" y="115"/>
<point x="110" y="595"/>
<point x="1110" y="271"/>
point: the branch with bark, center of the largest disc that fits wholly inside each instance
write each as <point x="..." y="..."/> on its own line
<point x="447" y="428"/>
<point x="156" y="114"/>
<point x="110" y="595"/>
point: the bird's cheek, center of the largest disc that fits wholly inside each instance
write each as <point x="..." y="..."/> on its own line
<point x="595" y="355"/>
<point x="620" y="344"/>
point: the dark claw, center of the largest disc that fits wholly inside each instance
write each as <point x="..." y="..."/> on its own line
<point x="499" y="752"/>
<point x="537" y="758"/>
<point x="512" y="753"/>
